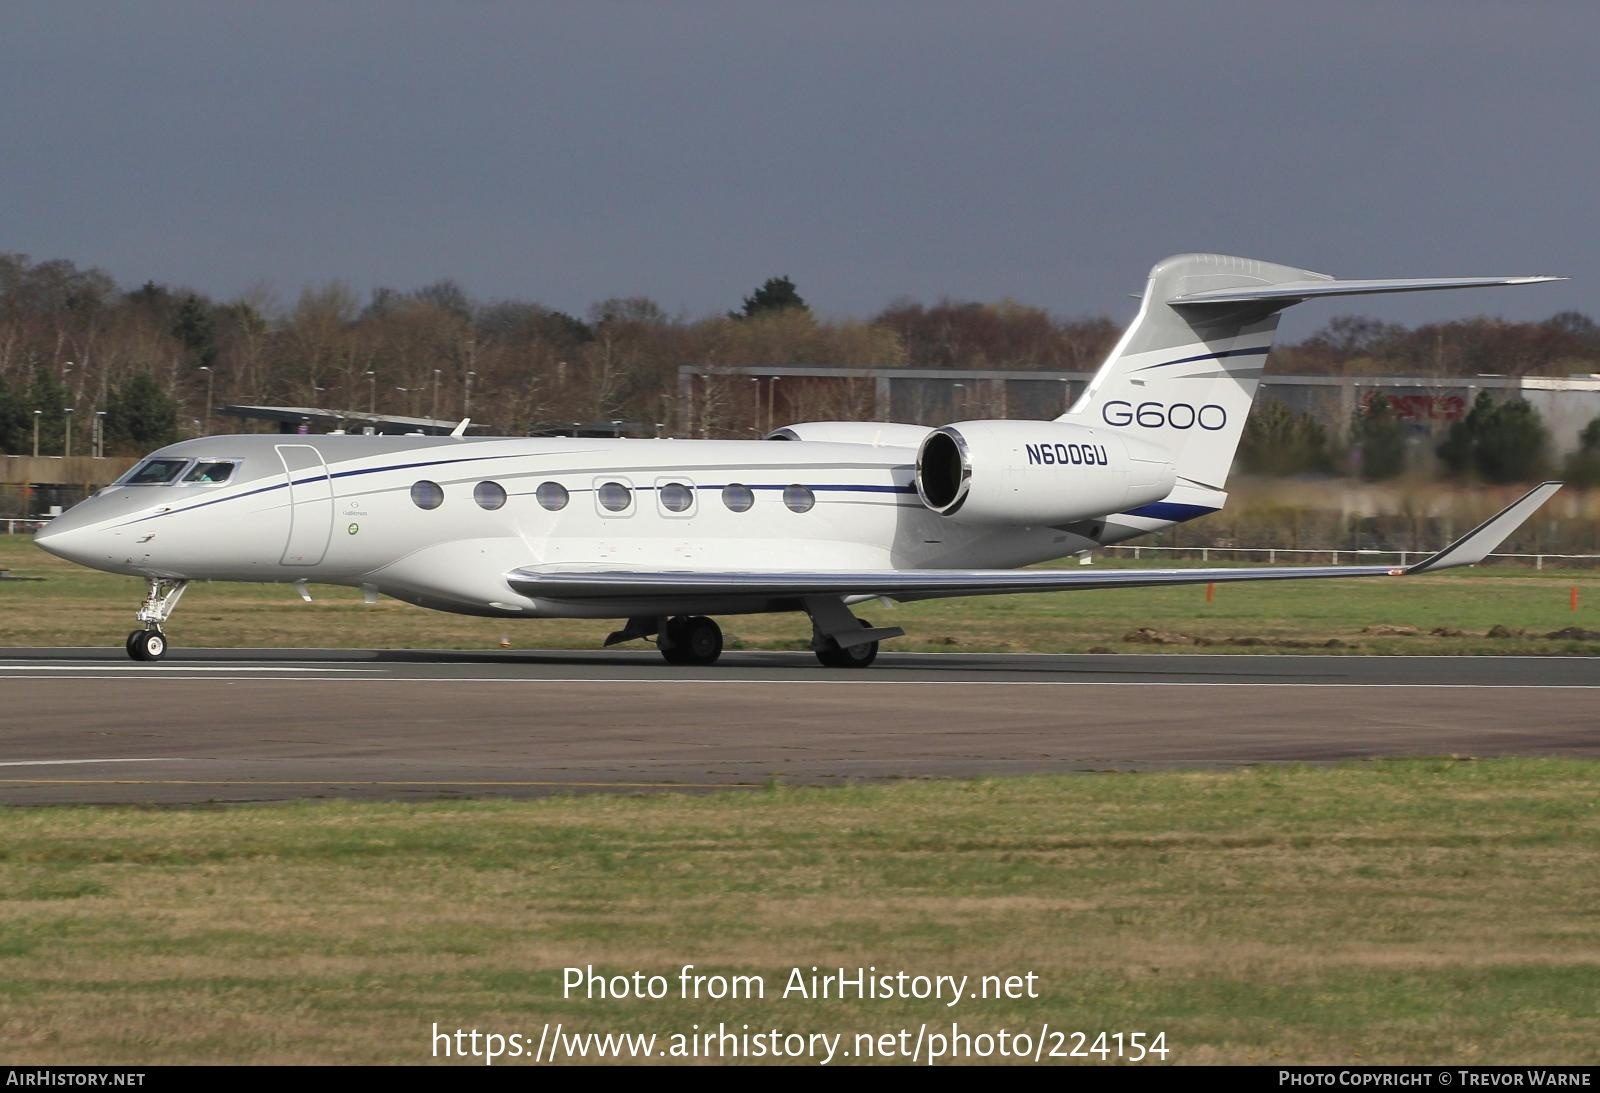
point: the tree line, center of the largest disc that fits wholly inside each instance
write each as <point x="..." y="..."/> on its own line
<point x="156" y="358"/>
<point x="1498" y="442"/>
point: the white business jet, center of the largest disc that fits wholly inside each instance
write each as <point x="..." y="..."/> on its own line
<point x="665" y="533"/>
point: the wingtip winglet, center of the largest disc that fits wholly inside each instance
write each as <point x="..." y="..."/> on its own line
<point x="1477" y="544"/>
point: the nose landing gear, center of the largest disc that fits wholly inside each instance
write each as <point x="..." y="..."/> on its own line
<point x="147" y="645"/>
<point x="150" y="643"/>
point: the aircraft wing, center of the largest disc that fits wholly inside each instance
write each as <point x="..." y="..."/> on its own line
<point x="573" y="583"/>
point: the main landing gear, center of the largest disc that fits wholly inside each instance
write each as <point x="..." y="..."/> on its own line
<point x="150" y="643"/>
<point x="834" y="655"/>
<point x="682" y="639"/>
<point x="839" y="639"/>
<point x="691" y="639"/>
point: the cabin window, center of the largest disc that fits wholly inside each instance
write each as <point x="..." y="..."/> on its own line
<point x="614" y="497"/>
<point x="210" y="472"/>
<point x="427" y="495"/>
<point x="552" y="496"/>
<point x="155" y="472"/>
<point x="675" y="497"/>
<point x="799" y="498"/>
<point x="489" y="495"/>
<point x="738" y="497"/>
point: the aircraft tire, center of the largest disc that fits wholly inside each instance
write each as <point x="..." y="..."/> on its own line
<point x="692" y="639"/>
<point x="832" y="655"/>
<point x="147" y="645"/>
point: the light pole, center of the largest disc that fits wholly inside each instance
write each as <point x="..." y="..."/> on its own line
<point x="210" y="380"/>
<point x="37" y="414"/>
<point x="466" y="399"/>
<point x="757" y="427"/>
<point x="66" y="412"/>
<point x="99" y="434"/>
<point x="772" y="390"/>
<point x="372" y="394"/>
<point x="435" y="412"/>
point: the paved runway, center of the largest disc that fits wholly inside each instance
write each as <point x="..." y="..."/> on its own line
<point x="244" y="725"/>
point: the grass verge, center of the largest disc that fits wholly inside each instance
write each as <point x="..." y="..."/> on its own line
<point x="1417" y="911"/>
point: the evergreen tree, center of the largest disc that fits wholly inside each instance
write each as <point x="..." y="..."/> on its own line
<point x="776" y="294"/>
<point x="1381" y="438"/>
<point x="48" y="395"/>
<point x="1583" y="465"/>
<point x="1516" y="447"/>
<point x="16" y="421"/>
<point x="1278" y="441"/>
<point x="195" y="329"/>
<point x="1504" y="442"/>
<point x="140" y="416"/>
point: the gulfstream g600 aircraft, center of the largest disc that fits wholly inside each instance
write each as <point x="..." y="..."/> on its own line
<point x="660" y="534"/>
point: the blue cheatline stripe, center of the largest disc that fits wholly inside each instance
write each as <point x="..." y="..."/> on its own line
<point x="815" y="488"/>
<point x="478" y="459"/>
<point x="1259" y="351"/>
<point x="1170" y="510"/>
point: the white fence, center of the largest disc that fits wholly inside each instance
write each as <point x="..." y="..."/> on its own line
<point x="1270" y="554"/>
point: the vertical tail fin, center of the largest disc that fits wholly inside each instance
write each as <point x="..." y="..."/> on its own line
<point x="1186" y="370"/>
<point x="1185" y="376"/>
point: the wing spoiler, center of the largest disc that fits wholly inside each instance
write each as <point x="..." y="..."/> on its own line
<point x="571" y="583"/>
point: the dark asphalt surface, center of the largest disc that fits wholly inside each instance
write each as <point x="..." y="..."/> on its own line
<point x="79" y="725"/>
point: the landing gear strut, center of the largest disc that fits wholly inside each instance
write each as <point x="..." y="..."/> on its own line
<point x="691" y="639"/>
<point x="150" y="643"/>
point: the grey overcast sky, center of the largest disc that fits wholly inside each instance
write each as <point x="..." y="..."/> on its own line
<point x="1048" y="152"/>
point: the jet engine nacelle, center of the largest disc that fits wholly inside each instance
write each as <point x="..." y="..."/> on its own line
<point x="1037" y="472"/>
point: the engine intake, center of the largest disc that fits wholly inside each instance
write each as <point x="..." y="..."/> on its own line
<point x="1037" y="472"/>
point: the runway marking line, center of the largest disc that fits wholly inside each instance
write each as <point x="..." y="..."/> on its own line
<point x="610" y="681"/>
<point x="86" y="762"/>
<point x="747" y="654"/>
<point x="170" y="668"/>
<point x="356" y="782"/>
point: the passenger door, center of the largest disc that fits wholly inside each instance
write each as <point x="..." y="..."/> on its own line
<point x="310" y="504"/>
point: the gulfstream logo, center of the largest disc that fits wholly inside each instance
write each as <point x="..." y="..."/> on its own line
<point x="1074" y="454"/>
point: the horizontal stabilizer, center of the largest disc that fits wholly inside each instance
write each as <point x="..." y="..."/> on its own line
<point x="1292" y="292"/>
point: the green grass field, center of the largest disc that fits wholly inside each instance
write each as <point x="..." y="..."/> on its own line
<point x="1416" y="912"/>
<point x="81" y="607"/>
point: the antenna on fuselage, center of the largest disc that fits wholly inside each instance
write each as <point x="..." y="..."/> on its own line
<point x="461" y="430"/>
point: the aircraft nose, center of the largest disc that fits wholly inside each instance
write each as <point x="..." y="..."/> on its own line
<point x="70" y="539"/>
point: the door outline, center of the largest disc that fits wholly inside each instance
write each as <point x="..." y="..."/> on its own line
<point x="310" y="504"/>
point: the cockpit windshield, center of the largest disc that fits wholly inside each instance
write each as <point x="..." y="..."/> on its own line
<point x="210" y="472"/>
<point x="154" y="472"/>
